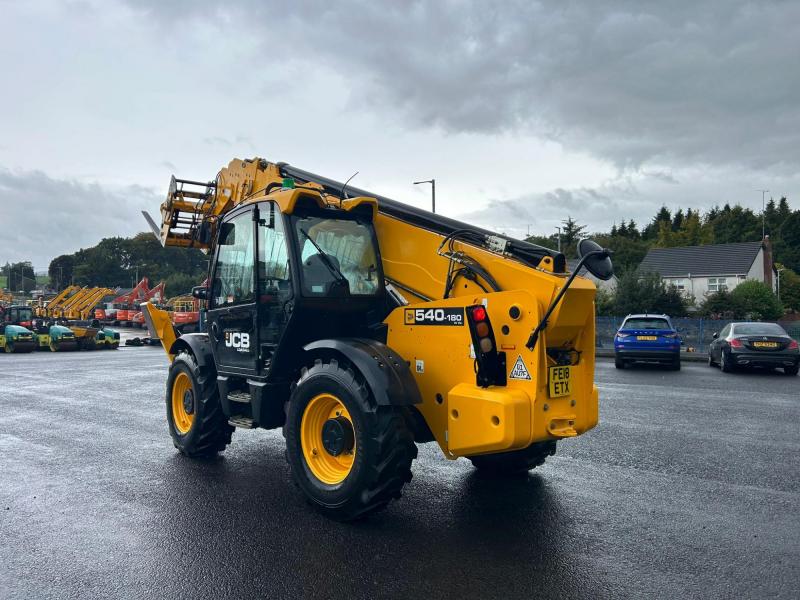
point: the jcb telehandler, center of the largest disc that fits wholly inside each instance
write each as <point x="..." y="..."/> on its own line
<point x="362" y="326"/>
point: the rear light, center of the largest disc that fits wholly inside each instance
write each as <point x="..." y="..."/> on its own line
<point x="490" y="364"/>
<point x="736" y="343"/>
<point x="670" y="335"/>
<point x="478" y="313"/>
<point x="793" y="345"/>
<point x="622" y="335"/>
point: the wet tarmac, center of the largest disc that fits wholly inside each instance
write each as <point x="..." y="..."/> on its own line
<point x="689" y="487"/>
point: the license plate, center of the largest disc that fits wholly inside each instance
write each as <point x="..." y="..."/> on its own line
<point x="559" y="381"/>
<point x="765" y="344"/>
<point x="647" y="338"/>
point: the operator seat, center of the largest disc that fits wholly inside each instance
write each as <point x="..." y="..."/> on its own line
<point x="317" y="275"/>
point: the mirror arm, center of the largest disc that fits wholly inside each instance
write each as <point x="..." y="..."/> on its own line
<point x="534" y="337"/>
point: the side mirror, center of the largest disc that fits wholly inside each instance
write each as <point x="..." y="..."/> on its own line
<point x="200" y="292"/>
<point x="716" y="335"/>
<point x="597" y="259"/>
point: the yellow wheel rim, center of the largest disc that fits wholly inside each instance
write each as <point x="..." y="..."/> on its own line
<point x="326" y="467"/>
<point x="182" y="403"/>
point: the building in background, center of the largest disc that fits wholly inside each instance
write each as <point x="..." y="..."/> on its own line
<point x="701" y="270"/>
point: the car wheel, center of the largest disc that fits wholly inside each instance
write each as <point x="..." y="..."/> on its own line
<point x="711" y="362"/>
<point x="619" y="363"/>
<point x="791" y="370"/>
<point x="725" y="363"/>
<point x="675" y="365"/>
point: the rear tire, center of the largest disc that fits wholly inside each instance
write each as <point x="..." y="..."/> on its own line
<point x="791" y="370"/>
<point x="725" y="363"/>
<point x="711" y="362"/>
<point x="515" y="462"/>
<point x="619" y="363"/>
<point x="676" y="364"/>
<point x="200" y="429"/>
<point x="376" y="461"/>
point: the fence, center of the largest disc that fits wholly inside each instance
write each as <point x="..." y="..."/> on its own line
<point x="695" y="333"/>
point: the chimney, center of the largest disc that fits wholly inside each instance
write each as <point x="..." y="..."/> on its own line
<point x="768" y="266"/>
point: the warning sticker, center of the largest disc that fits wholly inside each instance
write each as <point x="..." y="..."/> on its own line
<point x="519" y="370"/>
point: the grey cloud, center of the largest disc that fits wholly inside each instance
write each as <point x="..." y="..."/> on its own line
<point x="216" y="141"/>
<point x="55" y="216"/>
<point x="670" y="83"/>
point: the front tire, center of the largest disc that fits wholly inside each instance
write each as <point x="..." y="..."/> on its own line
<point x="198" y="426"/>
<point x="516" y="462"/>
<point x="349" y="456"/>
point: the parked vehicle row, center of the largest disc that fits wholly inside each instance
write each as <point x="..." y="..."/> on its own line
<point x="650" y="338"/>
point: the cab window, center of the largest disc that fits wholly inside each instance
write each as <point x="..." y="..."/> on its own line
<point x="273" y="256"/>
<point x="335" y="249"/>
<point x="233" y="275"/>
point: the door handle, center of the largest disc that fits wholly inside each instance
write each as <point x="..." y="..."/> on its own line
<point x="214" y="331"/>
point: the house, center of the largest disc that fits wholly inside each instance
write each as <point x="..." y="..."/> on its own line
<point x="608" y="286"/>
<point x="701" y="270"/>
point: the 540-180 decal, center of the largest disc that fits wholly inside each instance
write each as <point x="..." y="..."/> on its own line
<point x="434" y="316"/>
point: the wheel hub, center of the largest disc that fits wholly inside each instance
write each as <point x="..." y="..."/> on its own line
<point x="338" y="436"/>
<point x="188" y="402"/>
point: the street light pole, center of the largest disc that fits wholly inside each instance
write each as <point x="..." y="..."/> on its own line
<point x="559" y="238"/>
<point x="763" y="211"/>
<point x="779" y="282"/>
<point x="433" y="192"/>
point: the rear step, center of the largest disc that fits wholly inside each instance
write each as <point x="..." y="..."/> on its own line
<point x="239" y="397"/>
<point x="241" y="422"/>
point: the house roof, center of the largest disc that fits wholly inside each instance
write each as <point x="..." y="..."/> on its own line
<point x="719" y="259"/>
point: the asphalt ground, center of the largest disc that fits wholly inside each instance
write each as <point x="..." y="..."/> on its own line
<point x="689" y="487"/>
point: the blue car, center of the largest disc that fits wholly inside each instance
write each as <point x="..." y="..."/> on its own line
<point x="647" y="338"/>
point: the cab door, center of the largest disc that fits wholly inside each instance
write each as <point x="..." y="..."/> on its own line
<point x="232" y="302"/>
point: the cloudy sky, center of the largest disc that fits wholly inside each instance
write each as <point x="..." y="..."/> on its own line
<point x="524" y="112"/>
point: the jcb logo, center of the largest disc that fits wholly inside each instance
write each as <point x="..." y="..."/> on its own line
<point x="239" y="341"/>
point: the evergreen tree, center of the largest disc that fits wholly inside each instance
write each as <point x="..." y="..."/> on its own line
<point x="677" y="220"/>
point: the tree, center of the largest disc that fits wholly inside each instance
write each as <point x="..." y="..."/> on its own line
<point x="116" y="262"/>
<point x="788" y="248"/>
<point x="19" y="276"/>
<point x="628" y="253"/>
<point x="754" y="300"/>
<point x="650" y="232"/>
<point x="60" y="271"/>
<point x="790" y="289"/>
<point x="736" y="224"/>
<point x="604" y="303"/>
<point x="179" y="284"/>
<point x="720" y="305"/>
<point x="677" y="220"/>
<point x="571" y="233"/>
<point x="639" y="293"/>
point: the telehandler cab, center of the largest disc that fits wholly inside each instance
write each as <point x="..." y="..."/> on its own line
<point x="362" y="326"/>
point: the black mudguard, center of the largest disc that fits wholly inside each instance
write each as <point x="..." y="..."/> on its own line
<point x="198" y="344"/>
<point x="386" y="372"/>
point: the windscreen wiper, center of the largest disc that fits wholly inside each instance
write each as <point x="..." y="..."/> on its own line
<point x="325" y="258"/>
